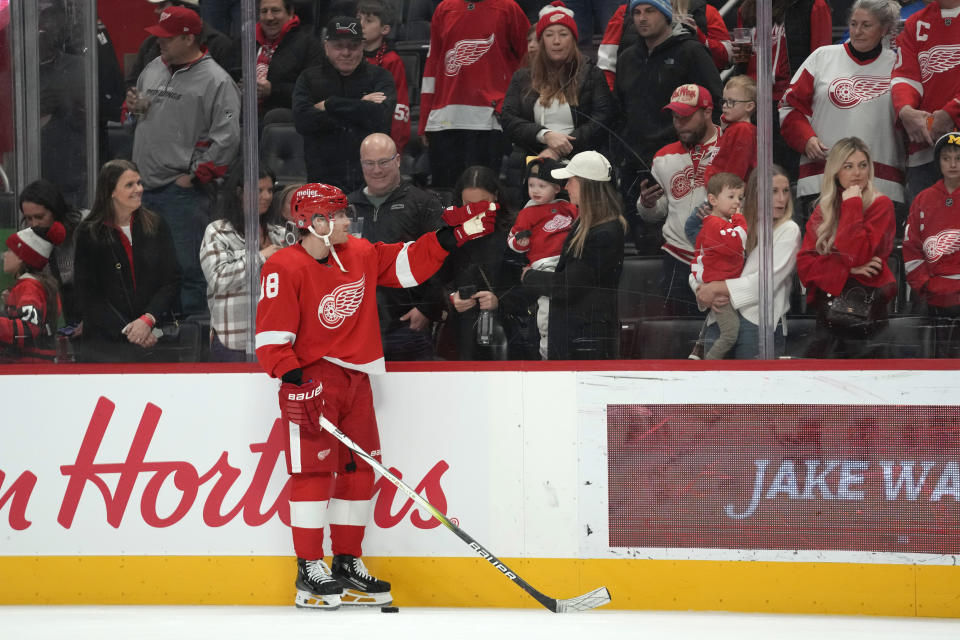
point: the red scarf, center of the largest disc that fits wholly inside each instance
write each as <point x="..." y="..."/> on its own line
<point x="269" y="47"/>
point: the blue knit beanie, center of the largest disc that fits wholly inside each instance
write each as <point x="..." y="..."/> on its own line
<point x="663" y="6"/>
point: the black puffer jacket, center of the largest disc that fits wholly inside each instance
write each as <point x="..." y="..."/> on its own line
<point x="331" y="138"/>
<point x="645" y="82"/>
<point x="404" y="216"/>
<point x="594" y="112"/>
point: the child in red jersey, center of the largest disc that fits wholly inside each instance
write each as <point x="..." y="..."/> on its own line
<point x="719" y="253"/>
<point x="738" y="144"/>
<point x="375" y="19"/>
<point x="541" y="229"/>
<point x="32" y="304"/>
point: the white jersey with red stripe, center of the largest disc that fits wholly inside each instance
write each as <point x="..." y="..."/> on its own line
<point x="475" y="47"/>
<point x="833" y="96"/>
<point x="679" y="171"/>
<point x="311" y="310"/>
<point x="927" y="73"/>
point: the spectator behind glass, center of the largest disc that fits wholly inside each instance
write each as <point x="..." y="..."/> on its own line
<point x="223" y="258"/>
<point x="700" y="19"/>
<point x="475" y="47"/>
<point x="738" y="150"/>
<point x="42" y="204"/>
<point x="392" y="210"/>
<point x="127" y="276"/>
<point x="560" y="104"/>
<point x="221" y="46"/>
<point x="376" y="16"/>
<point x="340" y="102"/>
<point x="930" y="246"/>
<point x="284" y="49"/>
<point x="29" y="318"/>
<point x="474" y="271"/>
<point x="743" y="293"/>
<point x="847" y="242"/>
<point x="584" y="323"/>
<point x="843" y="90"/>
<point x="925" y="85"/>
<point x="540" y="230"/>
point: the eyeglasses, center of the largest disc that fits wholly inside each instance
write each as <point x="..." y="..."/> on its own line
<point x="731" y="103"/>
<point x="383" y="164"/>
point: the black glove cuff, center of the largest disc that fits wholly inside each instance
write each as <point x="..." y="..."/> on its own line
<point x="294" y="376"/>
<point x="446" y="239"/>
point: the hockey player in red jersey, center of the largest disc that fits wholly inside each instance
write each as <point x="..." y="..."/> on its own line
<point x="317" y="330"/>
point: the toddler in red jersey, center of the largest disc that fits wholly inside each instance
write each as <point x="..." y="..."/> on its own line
<point x="720" y="253"/>
<point x="541" y="229"/>
<point x="737" y="152"/>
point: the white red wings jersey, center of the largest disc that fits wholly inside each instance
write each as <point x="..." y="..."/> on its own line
<point x="927" y="72"/>
<point x="310" y="310"/>
<point x="716" y="40"/>
<point x="720" y="249"/>
<point x="548" y="225"/>
<point x="931" y="246"/>
<point x="833" y="96"/>
<point x="474" y="49"/>
<point x="679" y="171"/>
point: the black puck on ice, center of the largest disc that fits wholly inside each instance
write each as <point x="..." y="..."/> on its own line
<point x="389" y="609"/>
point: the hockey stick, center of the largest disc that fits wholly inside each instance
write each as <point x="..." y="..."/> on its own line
<point x="591" y="600"/>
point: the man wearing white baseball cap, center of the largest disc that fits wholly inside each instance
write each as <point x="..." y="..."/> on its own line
<point x="584" y="323"/>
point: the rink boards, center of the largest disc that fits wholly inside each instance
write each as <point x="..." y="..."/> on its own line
<point x="765" y="489"/>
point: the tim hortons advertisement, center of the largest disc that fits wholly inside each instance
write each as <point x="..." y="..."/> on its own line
<point x="781" y="476"/>
<point x="194" y="465"/>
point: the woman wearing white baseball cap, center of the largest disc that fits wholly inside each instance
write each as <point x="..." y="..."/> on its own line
<point x="583" y="321"/>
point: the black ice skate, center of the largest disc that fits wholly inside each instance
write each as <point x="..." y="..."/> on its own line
<point x="360" y="587"/>
<point x="316" y="588"/>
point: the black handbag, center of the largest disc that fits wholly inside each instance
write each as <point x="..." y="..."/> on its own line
<point x="858" y="308"/>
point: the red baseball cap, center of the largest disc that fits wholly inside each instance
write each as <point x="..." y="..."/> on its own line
<point x="689" y="98"/>
<point x="176" y="21"/>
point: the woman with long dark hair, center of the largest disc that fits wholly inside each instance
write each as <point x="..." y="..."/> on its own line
<point x="843" y="260"/>
<point x="223" y="258"/>
<point x="127" y="275"/>
<point x="743" y="292"/>
<point x="41" y="204"/>
<point x="584" y="323"/>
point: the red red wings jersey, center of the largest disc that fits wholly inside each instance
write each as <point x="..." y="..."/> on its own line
<point x="474" y="49"/>
<point x="400" y="127"/>
<point x="30" y="298"/>
<point x="737" y="153"/>
<point x="548" y="225"/>
<point x="310" y="310"/>
<point x="720" y="249"/>
<point x="931" y="245"/>
<point x="716" y="40"/>
<point x="927" y="73"/>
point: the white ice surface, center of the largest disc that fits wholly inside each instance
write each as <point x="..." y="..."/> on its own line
<point x="288" y="623"/>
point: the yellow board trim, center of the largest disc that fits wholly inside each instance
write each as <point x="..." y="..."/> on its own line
<point x="769" y="587"/>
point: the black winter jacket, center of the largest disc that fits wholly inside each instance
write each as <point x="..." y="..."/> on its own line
<point x="404" y="216"/>
<point x="594" y="112"/>
<point x="298" y="51"/>
<point x="111" y="295"/>
<point x="645" y="82"/>
<point x="331" y="138"/>
<point x="584" y="322"/>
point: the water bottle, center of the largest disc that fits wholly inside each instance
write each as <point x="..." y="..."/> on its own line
<point x="484" y="327"/>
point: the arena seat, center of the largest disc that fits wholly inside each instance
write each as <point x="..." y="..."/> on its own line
<point x="281" y="147"/>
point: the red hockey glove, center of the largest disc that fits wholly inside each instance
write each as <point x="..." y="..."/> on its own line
<point x="302" y="403"/>
<point x="477" y="226"/>
<point x="456" y="216"/>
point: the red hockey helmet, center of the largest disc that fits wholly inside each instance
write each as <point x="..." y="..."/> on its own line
<point x="315" y="199"/>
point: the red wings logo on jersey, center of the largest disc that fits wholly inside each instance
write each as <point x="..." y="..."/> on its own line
<point x="847" y="93"/>
<point x="683" y="182"/>
<point x="558" y="222"/>
<point x="941" y="244"/>
<point x="341" y="303"/>
<point x="464" y="53"/>
<point x="938" y="59"/>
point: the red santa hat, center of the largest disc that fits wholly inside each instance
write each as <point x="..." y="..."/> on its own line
<point x="34" y="246"/>
<point x="556" y="13"/>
